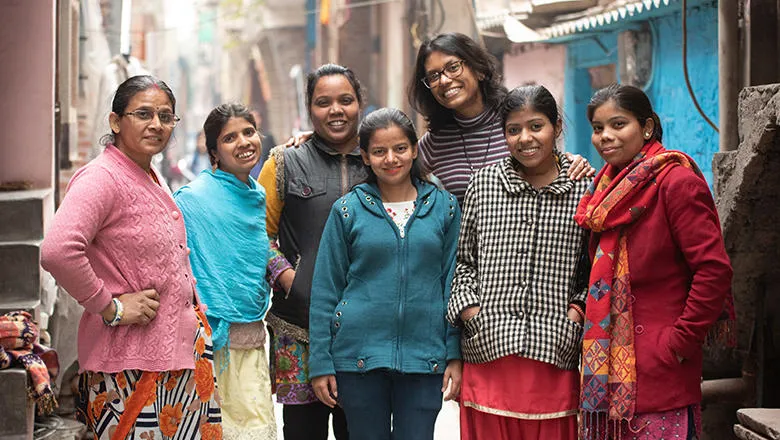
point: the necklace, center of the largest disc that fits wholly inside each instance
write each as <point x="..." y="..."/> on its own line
<point x="465" y="153"/>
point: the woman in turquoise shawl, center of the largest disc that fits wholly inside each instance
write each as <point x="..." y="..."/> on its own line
<point x="224" y="214"/>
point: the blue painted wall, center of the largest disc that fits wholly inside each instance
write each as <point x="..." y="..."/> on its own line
<point x="684" y="128"/>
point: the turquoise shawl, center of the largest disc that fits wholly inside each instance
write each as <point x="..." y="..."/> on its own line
<point x="229" y="250"/>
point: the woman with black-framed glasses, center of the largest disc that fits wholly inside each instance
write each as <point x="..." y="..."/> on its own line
<point x="166" y="117"/>
<point x="457" y="88"/>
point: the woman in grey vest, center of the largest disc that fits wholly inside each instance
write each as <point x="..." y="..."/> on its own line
<point x="301" y="186"/>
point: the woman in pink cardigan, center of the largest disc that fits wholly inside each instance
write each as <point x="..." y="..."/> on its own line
<point x="118" y="245"/>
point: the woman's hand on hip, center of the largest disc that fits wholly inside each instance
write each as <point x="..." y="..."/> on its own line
<point x="326" y="390"/>
<point x="580" y="168"/>
<point x="138" y="308"/>
<point x="452" y="377"/>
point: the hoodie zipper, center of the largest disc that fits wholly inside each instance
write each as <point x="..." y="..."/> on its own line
<point x="402" y="246"/>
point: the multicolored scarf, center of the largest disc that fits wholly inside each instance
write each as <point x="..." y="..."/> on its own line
<point x="615" y="200"/>
<point x="18" y="336"/>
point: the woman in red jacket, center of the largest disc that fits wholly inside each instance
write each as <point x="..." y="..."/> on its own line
<point x="660" y="277"/>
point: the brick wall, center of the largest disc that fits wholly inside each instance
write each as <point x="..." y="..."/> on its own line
<point x="281" y="49"/>
<point x="356" y="47"/>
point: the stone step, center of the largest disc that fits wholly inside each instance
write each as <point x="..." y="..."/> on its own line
<point x="31" y="307"/>
<point x="743" y="433"/>
<point x="23" y="214"/>
<point x="18" y="411"/>
<point x="20" y="272"/>
<point x="763" y="421"/>
<point x="59" y="428"/>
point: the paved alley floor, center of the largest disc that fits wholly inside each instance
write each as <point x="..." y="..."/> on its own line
<point x="447" y="425"/>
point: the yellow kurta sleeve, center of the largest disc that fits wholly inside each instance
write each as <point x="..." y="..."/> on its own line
<point x="270" y="178"/>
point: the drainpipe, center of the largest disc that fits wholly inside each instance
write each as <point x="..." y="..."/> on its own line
<point x="728" y="79"/>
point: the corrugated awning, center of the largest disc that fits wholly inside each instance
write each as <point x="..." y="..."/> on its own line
<point x="588" y="20"/>
<point x="612" y="14"/>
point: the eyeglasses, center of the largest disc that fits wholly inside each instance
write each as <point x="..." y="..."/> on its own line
<point x="166" y="118"/>
<point x="451" y="71"/>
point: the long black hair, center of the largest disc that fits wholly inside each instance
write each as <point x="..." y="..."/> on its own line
<point x="482" y="63"/>
<point x="386" y="118"/>
<point x="534" y="97"/>
<point x="632" y="100"/>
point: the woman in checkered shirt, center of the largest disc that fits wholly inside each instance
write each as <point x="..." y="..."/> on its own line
<point x="519" y="284"/>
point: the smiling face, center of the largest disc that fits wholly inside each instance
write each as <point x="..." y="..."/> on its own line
<point x="390" y="156"/>
<point x="617" y="134"/>
<point x="530" y="137"/>
<point x="334" y="112"/>
<point x="460" y="94"/>
<point x="238" y="148"/>
<point x="138" y="139"/>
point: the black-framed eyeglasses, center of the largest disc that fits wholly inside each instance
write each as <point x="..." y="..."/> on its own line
<point x="452" y="70"/>
<point x="166" y="118"/>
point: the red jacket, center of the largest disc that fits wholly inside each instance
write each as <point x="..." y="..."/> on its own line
<point x="680" y="277"/>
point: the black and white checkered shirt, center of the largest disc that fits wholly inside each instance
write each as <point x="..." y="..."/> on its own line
<point x="523" y="260"/>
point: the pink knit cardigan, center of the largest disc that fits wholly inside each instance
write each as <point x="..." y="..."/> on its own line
<point x="118" y="232"/>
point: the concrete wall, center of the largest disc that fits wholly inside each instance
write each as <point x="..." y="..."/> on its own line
<point x="539" y="64"/>
<point x="684" y="128"/>
<point x="27" y="90"/>
<point x="747" y="186"/>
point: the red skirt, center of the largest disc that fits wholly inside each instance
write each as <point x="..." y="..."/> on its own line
<point x="518" y="398"/>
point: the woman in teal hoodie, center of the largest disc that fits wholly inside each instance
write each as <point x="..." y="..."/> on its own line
<point x="380" y="343"/>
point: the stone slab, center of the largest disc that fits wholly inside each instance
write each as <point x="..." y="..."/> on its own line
<point x="743" y="433"/>
<point x="60" y="428"/>
<point x="16" y="410"/>
<point x="32" y="307"/>
<point x="764" y="421"/>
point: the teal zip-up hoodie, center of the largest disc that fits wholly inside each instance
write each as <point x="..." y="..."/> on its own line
<point x="379" y="300"/>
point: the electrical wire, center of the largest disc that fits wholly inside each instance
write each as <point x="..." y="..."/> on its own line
<point x="653" y="57"/>
<point x="685" y="65"/>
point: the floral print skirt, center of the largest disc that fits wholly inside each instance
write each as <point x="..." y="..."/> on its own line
<point x="182" y="404"/>
<point x="290" y="370"/>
